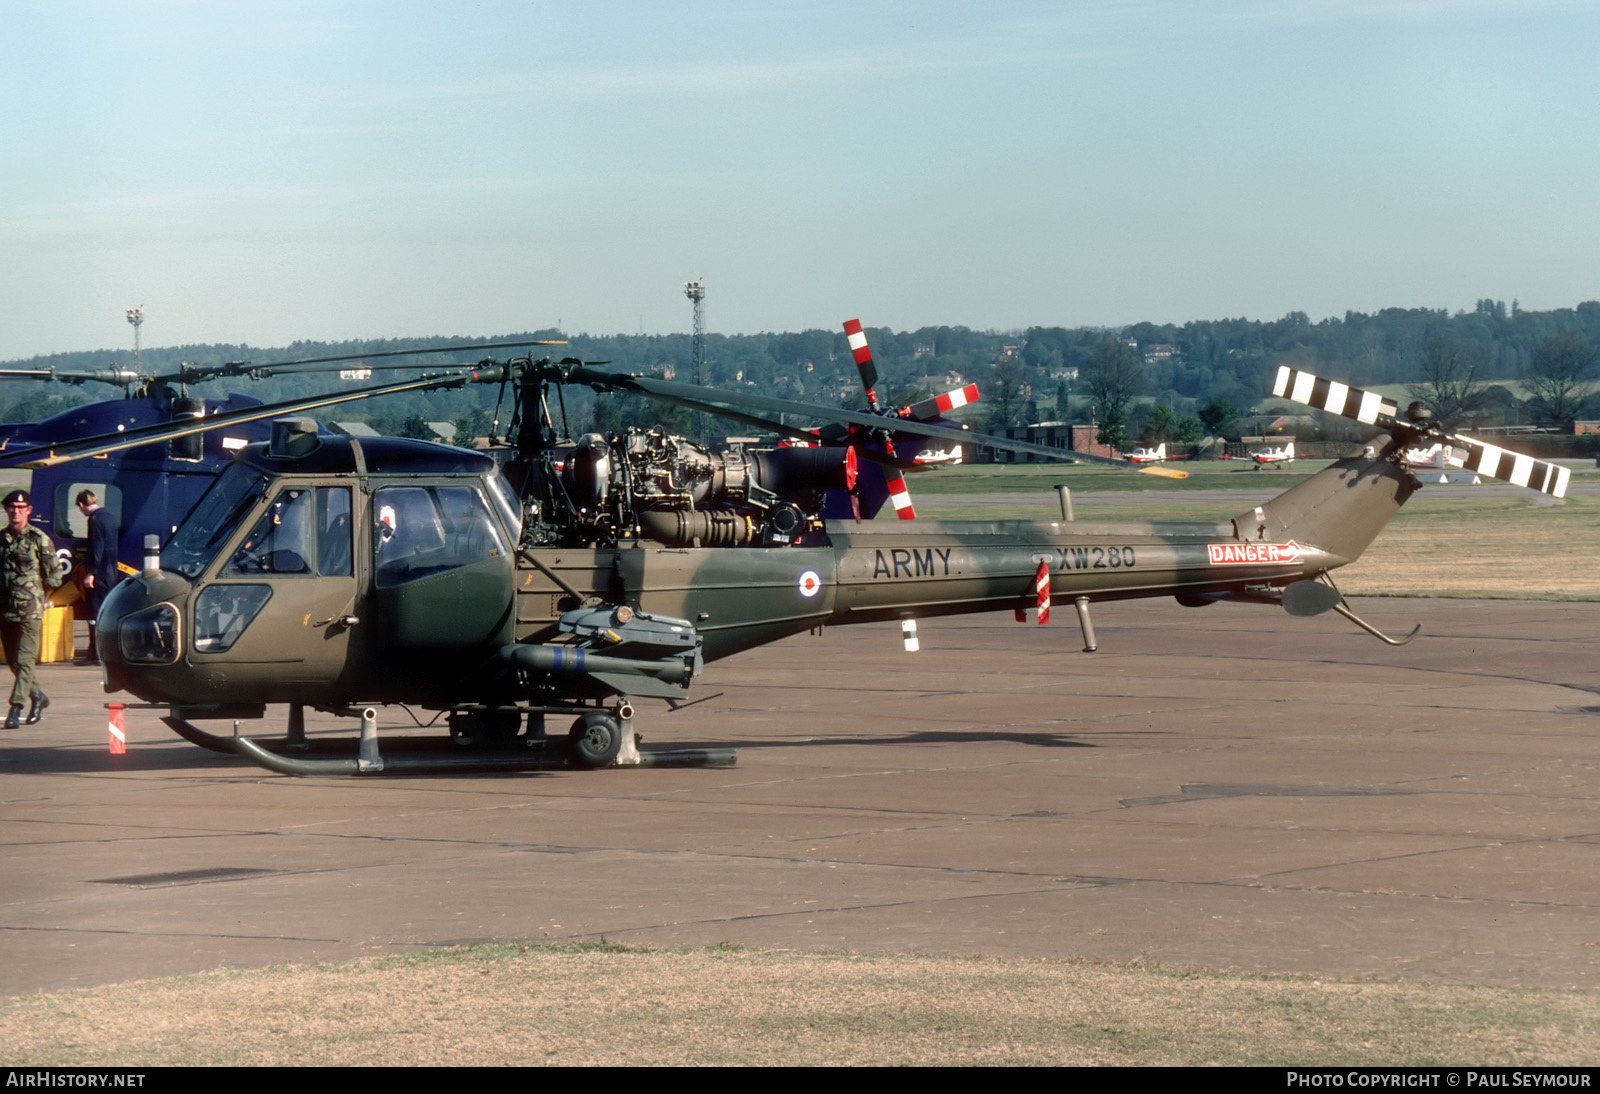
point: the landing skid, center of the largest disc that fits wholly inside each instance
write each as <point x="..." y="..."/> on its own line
<point x="437" y="757"/>
<point x="551" y="760"/>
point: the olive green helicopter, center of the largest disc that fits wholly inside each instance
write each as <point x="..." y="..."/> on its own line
<point x="571" y="576"/>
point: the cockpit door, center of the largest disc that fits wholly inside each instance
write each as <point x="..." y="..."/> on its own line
<point x="282" y="603"/>
<point x="442" y="568"/>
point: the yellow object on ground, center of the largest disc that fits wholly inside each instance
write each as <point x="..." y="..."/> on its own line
<point x="55" y="636"/>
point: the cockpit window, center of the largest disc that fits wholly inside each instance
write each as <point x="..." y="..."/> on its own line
<point x="424" y="530"/>
<point x="213" y="520"/>
<point x="306" y="530"/>
<point x="333" y="531"/>
<point x="222" y="612"/>
<point x="506" y="501"/>
<point x="282" y="541"/>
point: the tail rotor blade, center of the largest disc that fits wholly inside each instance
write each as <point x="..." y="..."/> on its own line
<point x="1514" y="467"/>
<point x="1366" y="407"/>
<point x="1372" y="409"/>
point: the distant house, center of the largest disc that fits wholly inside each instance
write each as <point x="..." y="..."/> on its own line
<point x="1287" y="423"/>
<point x="1159" y="351"/>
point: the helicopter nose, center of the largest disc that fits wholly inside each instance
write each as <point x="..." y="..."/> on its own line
<point x="139" y="626"/>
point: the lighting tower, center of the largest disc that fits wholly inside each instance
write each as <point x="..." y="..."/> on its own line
<point x="696" y="292"/>
<point x="135" y="320"/>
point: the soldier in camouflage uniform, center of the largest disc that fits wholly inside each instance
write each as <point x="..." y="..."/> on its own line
<point x="28" y="571"/>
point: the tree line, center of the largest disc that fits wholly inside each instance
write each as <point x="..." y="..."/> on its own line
<point x="1491" y="366"/>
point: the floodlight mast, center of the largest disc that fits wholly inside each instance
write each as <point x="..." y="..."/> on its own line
<point x="696" y="292"/>
<point x="135" y="320"/>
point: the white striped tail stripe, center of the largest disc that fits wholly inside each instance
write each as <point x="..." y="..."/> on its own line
<point x="1041" y="585"/>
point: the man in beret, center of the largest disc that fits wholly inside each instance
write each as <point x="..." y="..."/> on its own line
<point x="28" y="571"/>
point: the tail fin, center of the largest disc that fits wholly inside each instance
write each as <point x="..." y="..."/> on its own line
<point x="1340" y="509"/>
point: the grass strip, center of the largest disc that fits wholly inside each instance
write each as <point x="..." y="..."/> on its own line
<point x="606" y="1004"/>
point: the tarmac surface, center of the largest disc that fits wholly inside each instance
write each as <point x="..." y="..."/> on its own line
<point x="1223" y="787"/>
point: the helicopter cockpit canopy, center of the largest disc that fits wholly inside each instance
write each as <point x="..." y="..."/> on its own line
<point x="214" y="519"/>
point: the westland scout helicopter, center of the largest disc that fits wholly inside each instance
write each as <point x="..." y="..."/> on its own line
<point x="577" y="576"/>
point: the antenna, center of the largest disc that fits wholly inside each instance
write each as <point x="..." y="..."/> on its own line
<point x="136" y="320"/>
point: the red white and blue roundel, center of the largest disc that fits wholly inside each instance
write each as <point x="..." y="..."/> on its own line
<point x="809" y="583"/>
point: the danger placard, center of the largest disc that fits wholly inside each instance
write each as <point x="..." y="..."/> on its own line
<point x="1252" y="554"/>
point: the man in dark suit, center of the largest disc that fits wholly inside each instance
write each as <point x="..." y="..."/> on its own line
<point x="100" y="572"/>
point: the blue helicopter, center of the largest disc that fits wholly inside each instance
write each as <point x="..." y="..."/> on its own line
<point x="151" y="484"/>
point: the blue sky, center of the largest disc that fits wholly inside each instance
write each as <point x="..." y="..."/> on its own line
<point x="264" y="172"/>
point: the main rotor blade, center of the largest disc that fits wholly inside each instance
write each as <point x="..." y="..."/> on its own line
<point x="265" y="371"/>
<point x="937" y="405"/>
<point x="122" y="377"/>
<point x="192" y="374"/>
<point x="701" y="407"/>
<point x="710" y="400"/>
<point x="49" y="455"/>
<point x="857" y="338"/>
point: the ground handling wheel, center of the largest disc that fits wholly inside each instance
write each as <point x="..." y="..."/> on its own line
<point x="595" y="740"/>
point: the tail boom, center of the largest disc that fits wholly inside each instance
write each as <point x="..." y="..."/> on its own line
<point x="960" y="567"/>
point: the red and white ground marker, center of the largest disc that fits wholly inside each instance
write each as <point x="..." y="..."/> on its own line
<point x="114" y="722"/>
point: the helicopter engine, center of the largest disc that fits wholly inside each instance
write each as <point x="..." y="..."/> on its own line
<point x="670" y="489"/>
